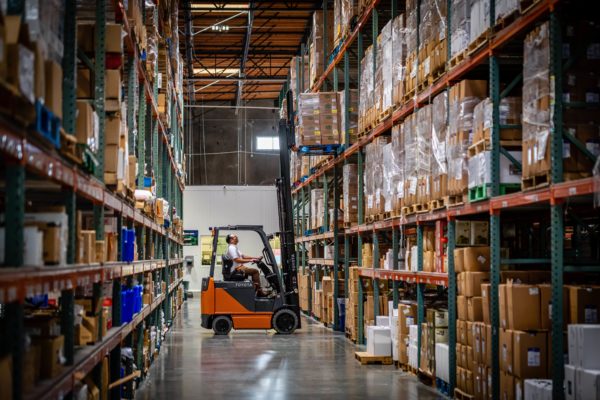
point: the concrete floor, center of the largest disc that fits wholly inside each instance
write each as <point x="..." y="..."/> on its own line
<point x="312" y="363"/>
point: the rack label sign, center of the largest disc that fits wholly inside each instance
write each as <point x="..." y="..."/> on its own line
<point x="190" y="238"/>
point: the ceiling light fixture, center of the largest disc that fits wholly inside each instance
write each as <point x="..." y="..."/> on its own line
<point x="219" y="28"/>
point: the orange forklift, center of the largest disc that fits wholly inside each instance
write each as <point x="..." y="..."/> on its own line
<point x="232" y="302"/>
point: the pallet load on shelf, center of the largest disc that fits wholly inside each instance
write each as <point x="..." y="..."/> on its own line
<point x="352" y="125"/>
<point x="299" y="77"/>
<point x="410" y="37"/>
<point x="505" y="10"/>
<point x="460" y="26"/>
<point x="383" y="85"/>
<point x="351" y="323"/>
<point x="432" y="33"/>
<point x="319" y="53"/>
<point x="350" y="194"/>
<point x="295" y="167"/>
<point x="407" y="316"/>
<point x="318" y="119"/>
<point x="304" y="287"/>
<point x="464" y="96"/>
<point x="391" y="178"/>
<point x="582" y="371"/>
<point x="480" y="155"/>
<point x="580" y="86"/>
<point x="371" y="302"/>
<point x="344" y="13"/>
<point x="399" y="154"/>
<point x="479" y="24"/>
<point x="317" y="208"/>
<point x="417" y="163"/>
<point x="398" y="59"/>
<point x="366" y="116"/>
<point x="373" y="178"/>
<point x="439" y="165"/>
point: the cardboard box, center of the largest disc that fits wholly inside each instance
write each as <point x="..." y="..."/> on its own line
<point x="502" y="304"/>
<point x="584" y="351"/>
<point x="506" y="350"/>
<point x="112" y="158"/>
<point x="112" y="130"/>
<point x="6" y="370"/>
<point x="570" y="383"/>
<point x="461" y="332"/>
<point x="85" y="83"/>
<point x="462" y="308"/>
<point x="475" y="310"/>
<point x="480" y="233"/>
<point x="51" y="355"/>
<point x="52" y="244"/>
<point x="546" y="306"/>
<point x="31" y="368"/>
<point x="476" y="258"/>
<point x="459" y="260"/>
<point x="85" y="37"/>
<point x="588" y="384"/>
<point x="530" y="355"/>
<point x="113" y="85"/>
<point x="470" y="333"/>
<point x="584" y="304"/>
<point x="132" y="173"/>
<point x="114" y="38"/>
<point x="84" y="129"/>
<point x="21" y="70"/>
<point x="83" y="335"/>
<point x="463" y="233"/>
<point x="523" y="307"/>
<point x="507" y="386"/>
<point x="485" y="302"/>
<point x="473" y="281"/>
<point x="53" y="92"/>
<point x="100" y="250"/>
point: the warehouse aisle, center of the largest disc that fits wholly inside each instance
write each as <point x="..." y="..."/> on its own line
<point x="313" y="363"/>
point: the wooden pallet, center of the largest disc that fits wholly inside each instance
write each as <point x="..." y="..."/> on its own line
<point x="454" y="200"/>
<point x="388" y="215"/>
<point x="348" y="225"/>
<point x="485" y="144"/>
<point x="505" y="21"/>
<point x="535" y="181"/>
<point x="68" y="147"/>
<point x="460" y="395"/>
<point x="526" y="5"/>
<point x="457" y="59"/>
<point x="437" y="204"/>
<point x="436" y="74"/>
<point x="366" y="358"/>
<point x="408" y="96"/>
<point x="385" y="114"/>
<point x="407" y="210"/>
<point x="479" y="41"/>
<point x="420" y="208"/>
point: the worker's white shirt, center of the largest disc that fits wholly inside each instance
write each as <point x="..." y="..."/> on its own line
<point x="233" y="253"/>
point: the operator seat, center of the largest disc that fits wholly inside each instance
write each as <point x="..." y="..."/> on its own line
<point x="228" y="273"/>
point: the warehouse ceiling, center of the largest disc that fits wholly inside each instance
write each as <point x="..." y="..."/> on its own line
<point x="240" y="51"/>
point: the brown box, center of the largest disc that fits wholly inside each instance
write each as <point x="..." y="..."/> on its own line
<point x="485" y="302"/>
<point x="523" y="307"/>
<point x="405" y="311"/>
<point x="546" y="306"/>
<point x="112" y="130"/>
<point x="470" y="333"/>
<point x="111" y="158"/>
<point x="428" y="261"/>
<point x="474" y="307"/>
<point x="112" y="84"/>
<point x="476" y="258"/>
<point x="85" y="37"/>
<point x="507" y="386"/>
<point x="85" y="84"/>
<point x="459" y="259"/>
<point x="53" y="94"/>
<point x="6" y="373"/>
<point x="100" y="247"/>
<point x="530" y="355"/>
<point x="84" y="130"/>
<point x="51" y="351"/>
<point x="114" y="39"/>
<point x="83" y="335"/>
<point x="132" y="172"/>
<point x="506" y="350"/>
<point x="461" y="331"/>
<point x="488" y="345"/>
<point x="31" y="368"/>
<point x="52" y="244"/>
<point x="462" y="308"/>
<point x="473" y="281"/>
<point x="584" y="304"/>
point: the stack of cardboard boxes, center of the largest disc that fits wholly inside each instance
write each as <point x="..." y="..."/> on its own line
<point x="322" y="29"/>
<point x="352" y="303"/>
<point x="344" y="12"/>
<point x="350" y="193"/>
<point x="373" y="177"/>
<point x="318" y="119"/>
<point x="317" y="208"/>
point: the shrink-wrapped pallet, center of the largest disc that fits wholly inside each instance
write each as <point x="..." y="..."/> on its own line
<point x="423" y="154"/>
<point x="322" y="28"/>
<point x="373" y="176"/>
<point x="509" y="114"/>
<point x="316" y="208"/>
<point x="504" y="8"/>
<point x="365" y="102"/>
<point x="344" y="12"/>
<point x="351" y="126"/>
<point x="398" y="149"/>
<point x="409" y="132"/>
<point x="391" y="176"/>
<point x="398" y="58"/>
<point x="479" y="20"/>
<point x="384" y="70"/>
<point x="299" y="77"/>
<point x="350" y="193"/>
<point x="459" y="26"/>
<point x="439" y="137"/>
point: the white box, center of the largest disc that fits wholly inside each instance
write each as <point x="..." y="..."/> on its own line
<point x="537" y="389"/>
<point x="379" y="341"/>
<point x="413" y="334"/>
<point x="413" y="356"/>
<point x="59" y="219"/>
<point x="382" y="320"/>
<point x="442" y="369"/>
<point x="570" y="382"/>
<point x="394" y="348"/>
<point x="33" y="252"/>
<point x="588" y="384"/>
<point x="584" y="351"/>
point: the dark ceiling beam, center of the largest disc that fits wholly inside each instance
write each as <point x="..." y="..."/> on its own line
<point x="247" y="40"/>
<point x="281" y="18"/>
<point x="281" y="78"/>
<point x="189" y="44"/>
<point x="202" y="52"/>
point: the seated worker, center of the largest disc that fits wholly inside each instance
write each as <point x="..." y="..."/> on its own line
<point x="238" y="263"/>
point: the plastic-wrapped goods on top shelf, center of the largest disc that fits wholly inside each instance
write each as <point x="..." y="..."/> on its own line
<point x="398" y="58"/>
<point x="383" y="72"/>
<point x="439" y="136"/>
<point x="45" y="21"/>
<point x="459" y="26"/>
<point x="295" y="167"/>
<point x="318" y="53"/>
<point x="423" y="154"/>
<point x="464" y="96"/>
<point x="351" y="125"/>
<point x="479" y="20"/>
<point x="399" y="154"/>
<point x="510" y="114"/>
<point x="411" y="23"/>
<point x="410" y="144"/>
<point x="299" y="76"/>
<point x="505" y="8"/>
<point x="537" y="101"/>
<point x="350" y="193"/>
<point x="373" y="176"/>
<point x="344" y="12"/>
<point x="391" y="178"/>
<point x="318" y="119"/>
<point x="316" y="208"/>
<point x="365" y="102"/>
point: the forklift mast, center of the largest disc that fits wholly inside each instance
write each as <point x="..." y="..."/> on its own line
<point x="285" y="212"/>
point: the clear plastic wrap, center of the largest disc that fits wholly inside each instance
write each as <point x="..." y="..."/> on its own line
<point x="352" y="124"/>
<point x="317" y="50"/>
<point x="425" y="25"/>
<point x="504" y="8"/>
<point x="423" y="153"/>
<point x="439" y="14"/>
<point x="299" y="83"/>
<point x="479" y="18"/>
<point x="350" y="192"/>
<point x="411" y="30"/>
<point x="536" y="101"/>
<point x="509" y="114"/>
<point x="391" y="176"/>
<point x="365" y="102"/>
<point x="344" y="11"/>
<point x="480" y="169"/>
<point x="439" y="131"/>
<point x="409" y="133"/>
<point x="373" y="176"/>
<point x="459" y="26"/>
<point x="387" y="69"/>
<point x="398" y="149"/>
<point x="316" y="208"/>
<point x="398" y="58"/>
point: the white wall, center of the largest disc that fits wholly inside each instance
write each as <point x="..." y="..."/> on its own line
<point x="206" y="206"/>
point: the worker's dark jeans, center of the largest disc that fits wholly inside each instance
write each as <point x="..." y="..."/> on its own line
<point x="252" y="272"/>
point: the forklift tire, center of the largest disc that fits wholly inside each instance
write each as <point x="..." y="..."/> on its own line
<point x="285" y="321"/>
<point x="222" y="325"/>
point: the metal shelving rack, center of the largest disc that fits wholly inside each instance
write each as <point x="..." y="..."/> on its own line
<point x="20" y="154"/>
<point x="550" y="198"/>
